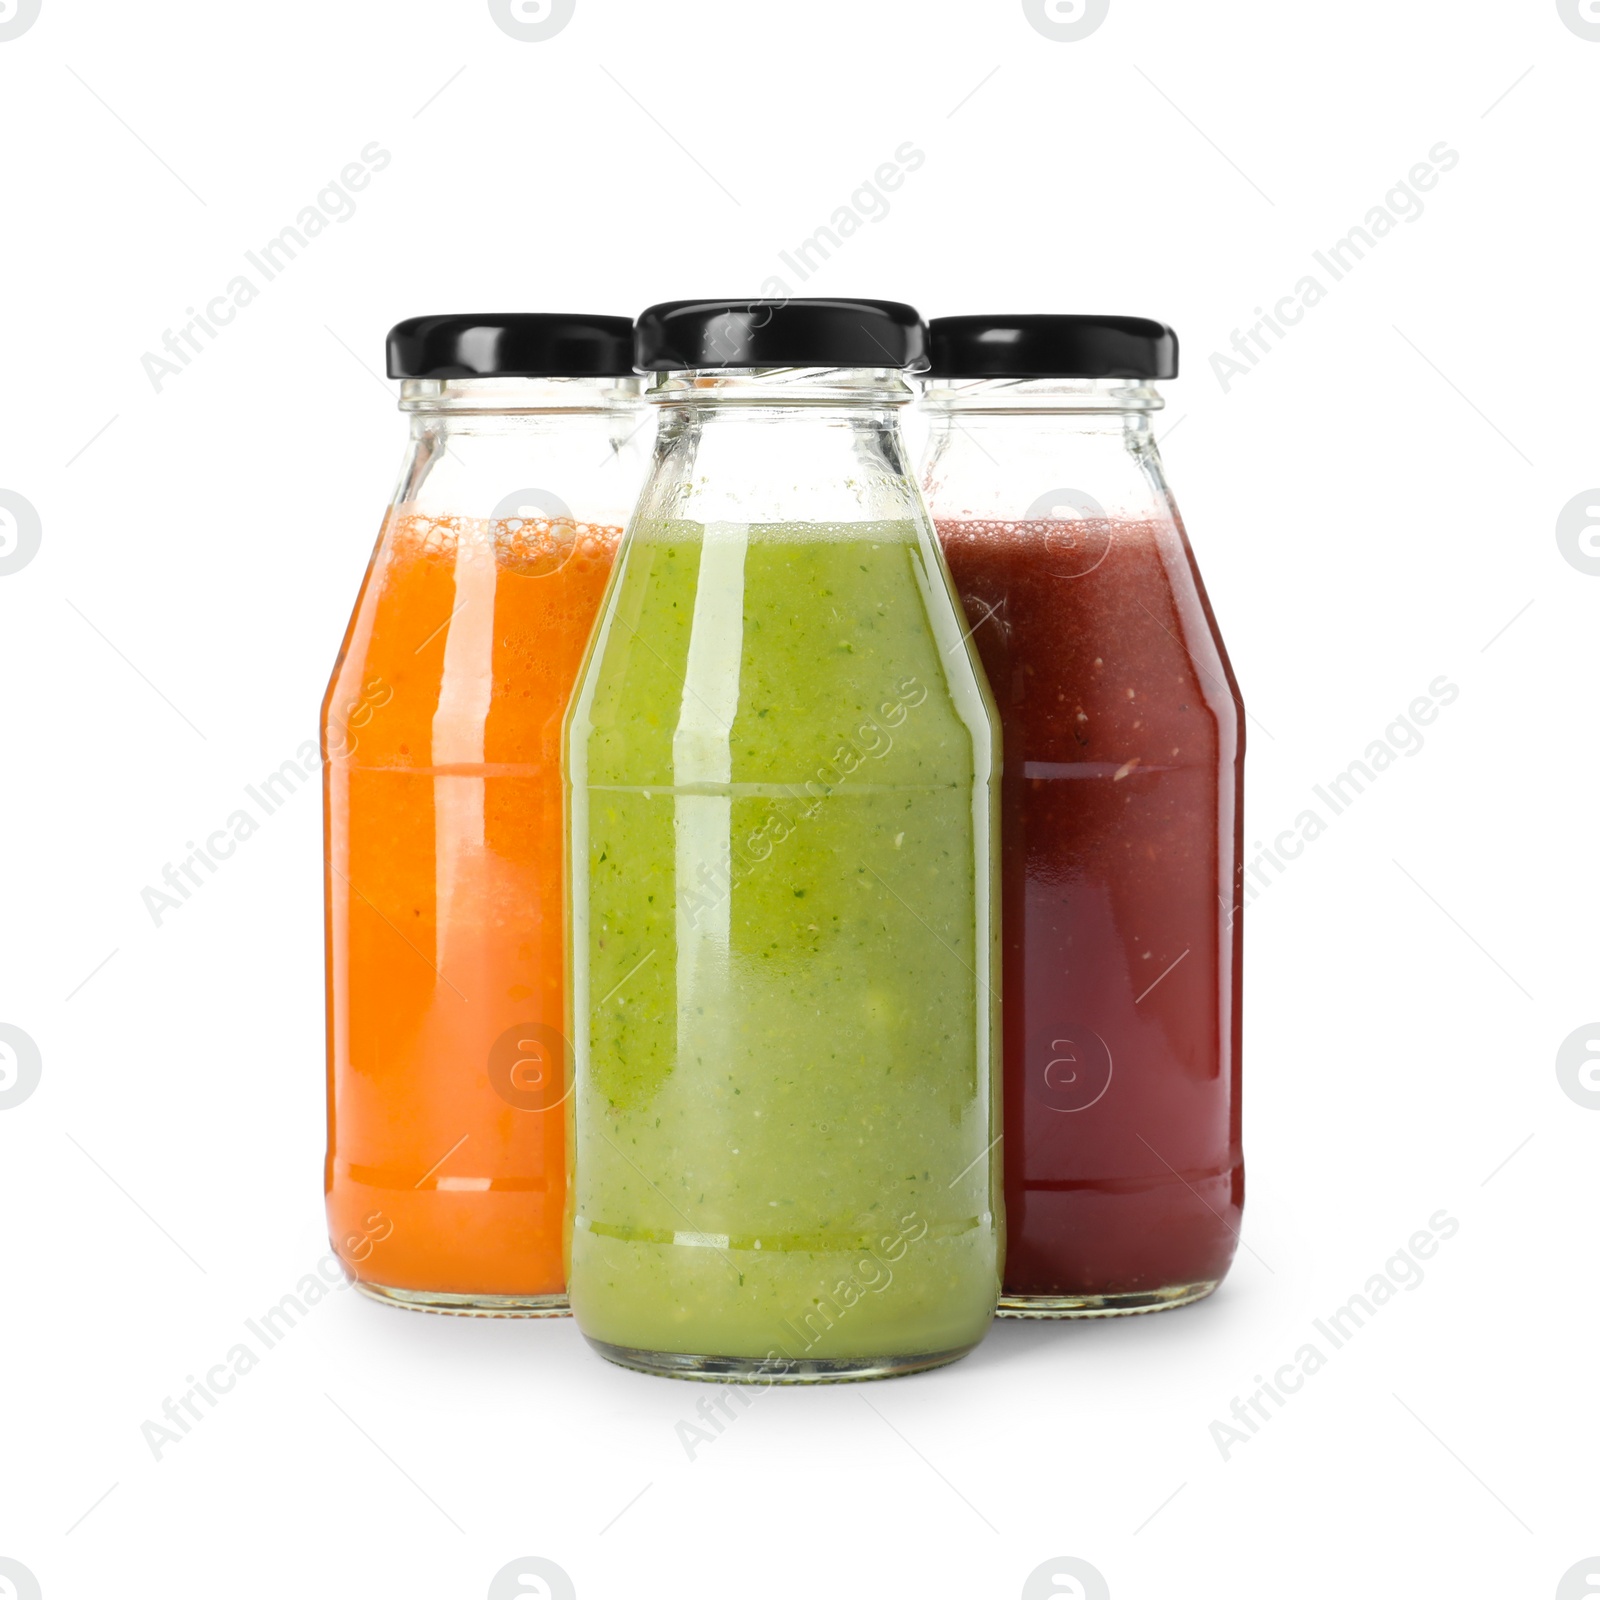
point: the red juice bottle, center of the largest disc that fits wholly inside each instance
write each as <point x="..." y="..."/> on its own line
<point x="1121" y="815"/>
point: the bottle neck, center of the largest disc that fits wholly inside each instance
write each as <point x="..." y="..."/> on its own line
<point x="1063" y="397"/>
<point x="706" y="388"/>
<point x="782" y="445"/>
<point x="1004" y="449"/>
<point x="497" y="448"/>
<point x="451" y="397"/>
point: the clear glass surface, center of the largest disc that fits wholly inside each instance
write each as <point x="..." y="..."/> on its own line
<point x="1121" y="842"/>
<point x="781" y="769"/>
<point x="447" y="1165"/>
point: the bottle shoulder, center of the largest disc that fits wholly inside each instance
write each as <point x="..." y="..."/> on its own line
<point x="756" y="655"/>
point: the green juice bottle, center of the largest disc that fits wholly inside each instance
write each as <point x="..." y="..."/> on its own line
<point x="781" y="768"/>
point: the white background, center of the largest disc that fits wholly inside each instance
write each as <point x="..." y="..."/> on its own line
<point x="1374" y="505"/>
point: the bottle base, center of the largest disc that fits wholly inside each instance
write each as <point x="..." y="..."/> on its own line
<point x="1103" y="1305"/>
<point x="469" y="1305"/>
<point x="761" y="1370"/>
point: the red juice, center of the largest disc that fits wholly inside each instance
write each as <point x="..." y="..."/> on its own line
<point x="1121" y="848"/>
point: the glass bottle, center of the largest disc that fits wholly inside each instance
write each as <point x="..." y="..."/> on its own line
<point x="1122" y="821"/>
<point x="446" y="1166"/>
<point x="780" y="768"/>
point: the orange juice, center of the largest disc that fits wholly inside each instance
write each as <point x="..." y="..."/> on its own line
<point x="442" y="740"/>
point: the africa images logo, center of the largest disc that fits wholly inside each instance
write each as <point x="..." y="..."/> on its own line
<point x="1066" y="21"/>
<point x="16" y="17"/>
<point x="1582" y="16"/>
<point x="21" y="532"/>
<point x="1577" y="532"/>
<point x="532" y="21"/>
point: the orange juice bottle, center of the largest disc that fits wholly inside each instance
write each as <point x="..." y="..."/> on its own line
<point x="447" y="1069"/>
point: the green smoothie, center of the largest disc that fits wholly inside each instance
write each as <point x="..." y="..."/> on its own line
<point x="783" y="1004"/>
